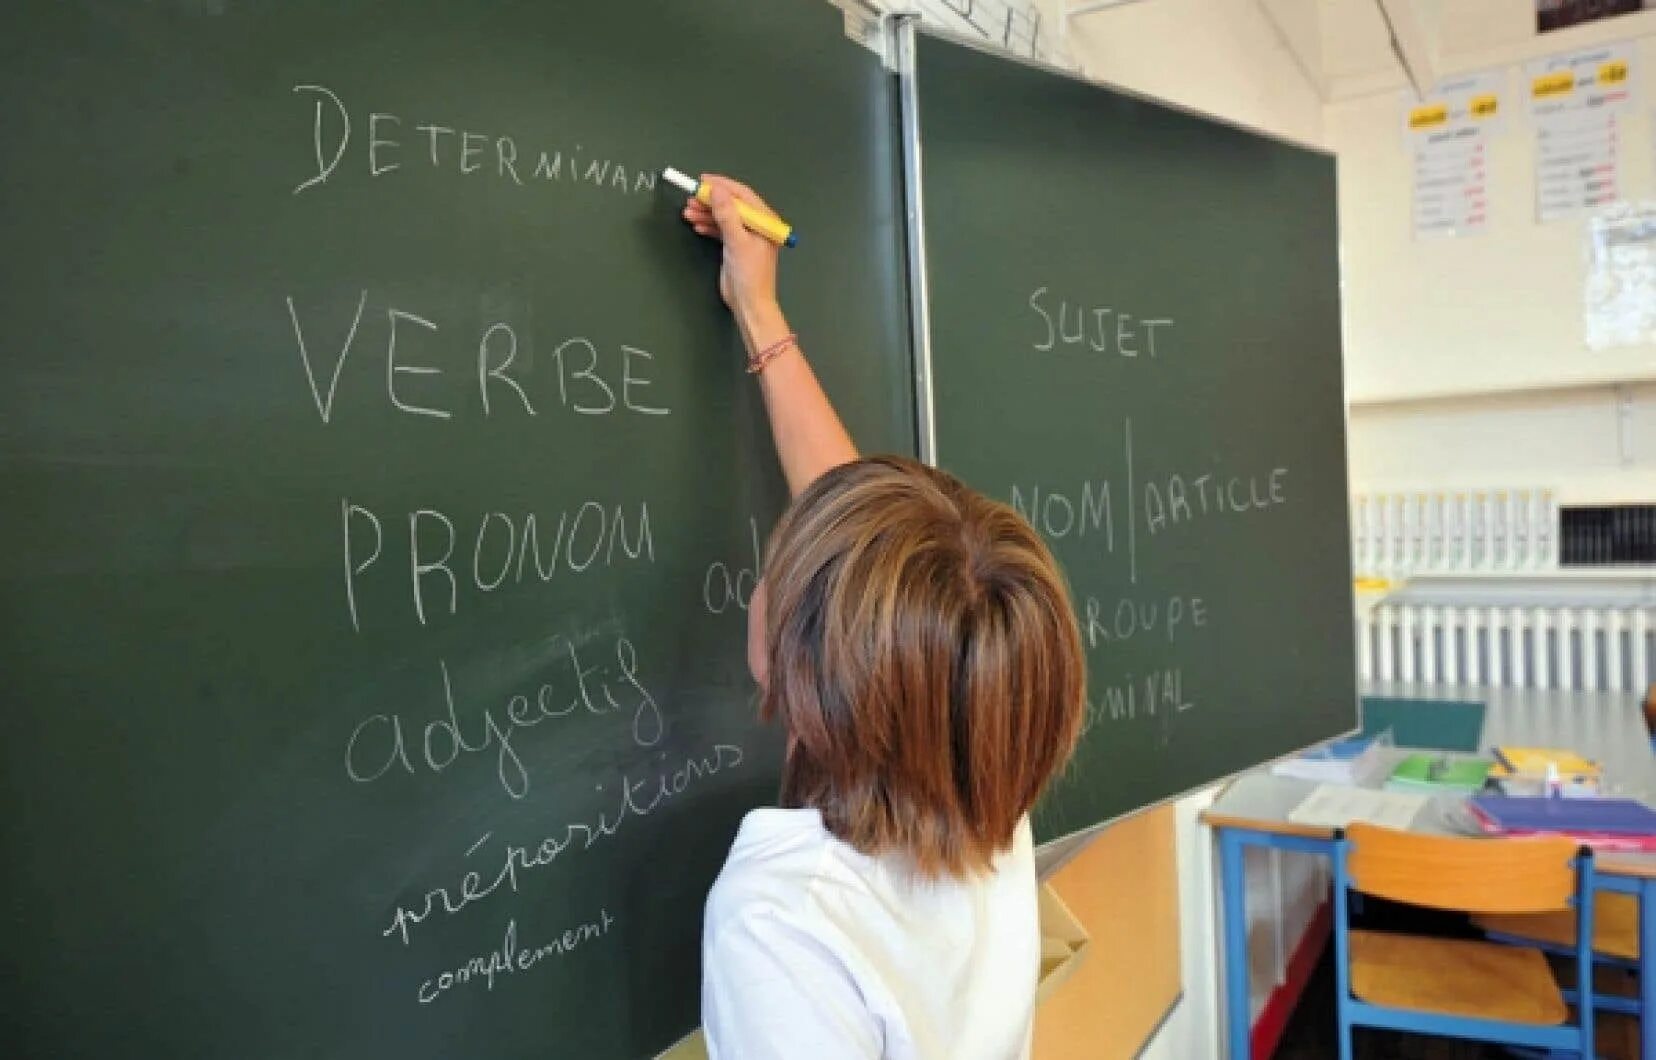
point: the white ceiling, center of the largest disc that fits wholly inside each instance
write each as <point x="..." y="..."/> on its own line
<point x="1356" y="47"/>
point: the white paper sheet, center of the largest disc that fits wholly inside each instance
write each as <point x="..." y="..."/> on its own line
<point x="1335" y="806"/>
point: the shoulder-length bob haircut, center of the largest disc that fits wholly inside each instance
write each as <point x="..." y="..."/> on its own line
<point x="924" y="660"/>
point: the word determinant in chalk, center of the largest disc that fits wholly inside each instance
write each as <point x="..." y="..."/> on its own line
<point x="585" y="379"/>
<point x="389" y="143"/>
<point x="1100" y="329"/>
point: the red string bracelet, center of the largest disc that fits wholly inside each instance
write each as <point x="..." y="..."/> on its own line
<point x="758" y="361"/>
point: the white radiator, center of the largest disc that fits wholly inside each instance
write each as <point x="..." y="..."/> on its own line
<point x="1499" y="645"/>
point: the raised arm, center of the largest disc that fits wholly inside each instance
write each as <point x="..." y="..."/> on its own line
<point x="809" y="436"/>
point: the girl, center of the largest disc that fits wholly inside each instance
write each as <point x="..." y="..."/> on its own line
<point x="916" y="643"/>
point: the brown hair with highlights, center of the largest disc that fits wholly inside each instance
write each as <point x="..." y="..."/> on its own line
<point x="924" y="661"/>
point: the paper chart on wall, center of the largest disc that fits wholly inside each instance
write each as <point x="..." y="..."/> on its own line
<point x="1448" y="135"/>
<point x="1619" y="303"/>
<point x="1578" y="102"/>
<point x="1451" y="184"/>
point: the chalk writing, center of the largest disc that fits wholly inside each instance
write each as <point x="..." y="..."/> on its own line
<point x="378" y="743"/>
<point x="1132" y="617"/>
<point x="1058" y="515"/>
<point x="591" y="380"/>
<point x="1158" y="693"/>
<point x="636" y="799"/>
<point x="1175" y="499"/>
<point x="721" y="588"/>
<point x="393" y="143"/>
<point x="494" y="549"/>
<point x="1100" y="329"/>
<point x="510" y="960"/>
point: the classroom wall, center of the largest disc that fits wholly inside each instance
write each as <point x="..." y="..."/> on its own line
<point x="1480" y="316"/>
<point x="1498" y="310"/>
<point x="1221" y="57"/>
<point x="1591" y="445"/>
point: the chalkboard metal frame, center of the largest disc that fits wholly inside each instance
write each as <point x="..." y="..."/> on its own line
<point x="904" y="30"/>
<point x="907" y="73"/>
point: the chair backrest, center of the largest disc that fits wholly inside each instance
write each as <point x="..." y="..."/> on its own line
<point x="1471" y="875"/>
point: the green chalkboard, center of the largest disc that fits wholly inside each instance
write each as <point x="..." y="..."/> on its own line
<point x="1135" y="338"/>
<point x="379" y="507"/>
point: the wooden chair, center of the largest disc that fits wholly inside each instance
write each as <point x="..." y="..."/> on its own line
<point x="1455" y="988"/>
<point x="1615" y="929"/>
<point x="1615" y="940"/>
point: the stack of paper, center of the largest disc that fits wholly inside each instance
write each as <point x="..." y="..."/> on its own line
<point x="1358" y="760"/>
<point x="1335" y="806"/>
<point x="1528" y="768"/>
<point x="1606" y="824"/>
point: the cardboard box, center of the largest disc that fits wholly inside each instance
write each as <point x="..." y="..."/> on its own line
<point x="1063" y="943"/>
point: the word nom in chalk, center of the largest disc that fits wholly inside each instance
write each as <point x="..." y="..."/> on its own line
<point x="379" y="742"/>
<point x="1175" y="500"/>
<point x="1099" y="329"/>
<point x="391" y="143"/>
<point x="582" y="386"/>
<point x="638" y="798"/>
<point x="1057" y="515"/>
<point x="1130" y="618"/>
<point x="504" y="548"/>
<point x="508" y="958"/>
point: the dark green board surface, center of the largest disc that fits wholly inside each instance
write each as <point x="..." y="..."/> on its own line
<point x="1043" y="192"/>
<point x="190" y="869"/>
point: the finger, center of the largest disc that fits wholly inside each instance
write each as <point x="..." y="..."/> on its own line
<point x="701" y="222"/>
<point x="738" y="189"/>
<point x="725" y="211"/>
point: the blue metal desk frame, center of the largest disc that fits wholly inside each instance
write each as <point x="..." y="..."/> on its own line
<point x="1234" y="838"/>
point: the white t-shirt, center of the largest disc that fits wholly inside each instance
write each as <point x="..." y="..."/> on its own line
<point x="811" y="950"/>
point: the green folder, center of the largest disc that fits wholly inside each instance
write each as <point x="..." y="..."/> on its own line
<point x="1436" y="772"/>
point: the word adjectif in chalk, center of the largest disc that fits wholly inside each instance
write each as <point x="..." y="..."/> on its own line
<point x="380" y="743"/>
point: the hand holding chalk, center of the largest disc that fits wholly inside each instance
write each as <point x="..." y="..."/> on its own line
<point x="756" y="217"/>
<point x="747" y="280"/>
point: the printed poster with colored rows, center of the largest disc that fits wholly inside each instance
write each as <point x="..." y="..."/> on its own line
<point x="1579" y="103"/>
<point x="1448" y="136"/>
